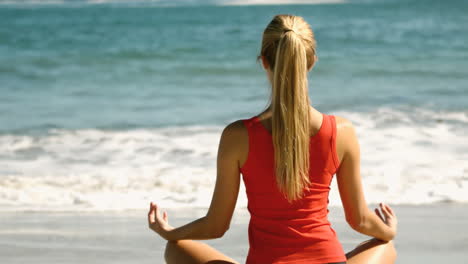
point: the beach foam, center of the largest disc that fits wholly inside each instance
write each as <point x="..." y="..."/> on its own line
<point x="415" y="158"/>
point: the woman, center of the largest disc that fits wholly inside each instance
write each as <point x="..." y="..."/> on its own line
<point x="287" y="156"/>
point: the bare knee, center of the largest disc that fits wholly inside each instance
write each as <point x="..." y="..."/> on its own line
<point x="391" y="250"/>
<point x="170" y="251"/>
<point x="373" y="251"/>
<point x="193" y="252"/>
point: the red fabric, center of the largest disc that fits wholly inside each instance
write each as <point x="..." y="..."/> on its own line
<point x="300" y="232"/>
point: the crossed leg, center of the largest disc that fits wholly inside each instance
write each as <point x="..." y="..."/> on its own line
<point x="372" y="251"/>
<point x="194" y="252"/>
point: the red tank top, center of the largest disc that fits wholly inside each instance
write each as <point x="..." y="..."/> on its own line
<point x="300" y="232"/>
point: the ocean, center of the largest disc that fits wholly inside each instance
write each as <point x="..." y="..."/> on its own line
<point x="107" y="105"/>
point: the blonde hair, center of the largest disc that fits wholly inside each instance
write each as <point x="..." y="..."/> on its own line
<point x="288" y="46"/>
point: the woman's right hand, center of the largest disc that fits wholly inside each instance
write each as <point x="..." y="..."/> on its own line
<point x="389" y="217"/>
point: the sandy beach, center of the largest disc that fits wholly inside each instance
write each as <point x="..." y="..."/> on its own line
<point x="427" y="234"/>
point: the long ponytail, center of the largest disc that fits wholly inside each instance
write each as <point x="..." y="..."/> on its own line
<point x="290" y="56"/>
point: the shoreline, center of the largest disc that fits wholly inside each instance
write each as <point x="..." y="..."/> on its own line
<point x="190" y="210"/>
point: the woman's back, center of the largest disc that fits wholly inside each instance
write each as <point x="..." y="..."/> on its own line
<point x="279" y="231"/>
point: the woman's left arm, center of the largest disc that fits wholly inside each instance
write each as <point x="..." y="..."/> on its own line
<point x="217" y="220"/>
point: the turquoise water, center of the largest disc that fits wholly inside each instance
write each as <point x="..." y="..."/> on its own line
<point x="122" y="100"/>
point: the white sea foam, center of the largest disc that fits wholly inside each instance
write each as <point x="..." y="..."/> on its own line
<point x="407" y="158"/>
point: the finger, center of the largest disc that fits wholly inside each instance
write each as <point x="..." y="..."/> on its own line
<point x="151" y="208"/>
<point x="390" y="210"/>
<point x="158" y="214"/>
<point x="384" y="210"/>
<point x="151" y="214"/>
<point x="376" y="210"/>
<point x="165" y="216"/>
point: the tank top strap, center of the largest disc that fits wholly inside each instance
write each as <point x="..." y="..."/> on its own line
<point x="332" y="122"/>
<point x="249" y="122"/>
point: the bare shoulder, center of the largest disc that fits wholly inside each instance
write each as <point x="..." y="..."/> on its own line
<point x="342" y="122"/>
<point x="235" y="140"/>
<point x="235" y="135"/>
<point x="235" y="129"/>
<point x="345" y="128"/>
<point x="346" y="139"/>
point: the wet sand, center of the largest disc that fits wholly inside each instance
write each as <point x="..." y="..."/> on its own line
<point x="427" y="234"/>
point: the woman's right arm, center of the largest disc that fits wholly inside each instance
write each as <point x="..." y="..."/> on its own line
<point x="358" y="215"/>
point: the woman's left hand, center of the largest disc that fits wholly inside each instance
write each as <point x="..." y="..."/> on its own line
<point x="158" y="223"/>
